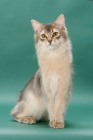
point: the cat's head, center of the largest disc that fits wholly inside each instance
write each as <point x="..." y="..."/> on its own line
<point x="50" y="35"/>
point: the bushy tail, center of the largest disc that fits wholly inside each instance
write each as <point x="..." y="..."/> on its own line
<point x="17" y="109"/>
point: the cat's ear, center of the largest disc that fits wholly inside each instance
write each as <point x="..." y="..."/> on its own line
<point x="60" y="21"/>
<point x="36" y="25"/>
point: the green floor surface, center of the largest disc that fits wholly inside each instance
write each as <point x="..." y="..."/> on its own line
<point x="78" y="125"/>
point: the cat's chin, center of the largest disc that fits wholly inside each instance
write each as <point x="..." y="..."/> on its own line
<point x="51" y="47"/>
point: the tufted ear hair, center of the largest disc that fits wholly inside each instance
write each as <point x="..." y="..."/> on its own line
<point x="60" y="21"/>
<point x="36" y="25"/>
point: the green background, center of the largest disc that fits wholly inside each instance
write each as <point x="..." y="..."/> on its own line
<point x="18" y="63"/>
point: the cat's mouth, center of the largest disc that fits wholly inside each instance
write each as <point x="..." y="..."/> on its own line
<point x="52" y="45"/>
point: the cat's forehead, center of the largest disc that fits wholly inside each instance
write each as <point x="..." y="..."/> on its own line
<point x="49" y="29"/>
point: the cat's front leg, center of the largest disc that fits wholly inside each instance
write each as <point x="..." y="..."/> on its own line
<point x="55" y="114"/>
<point x="51" y="109"/>
<point x="58" y="112"/>
<point x="55" y="107"/>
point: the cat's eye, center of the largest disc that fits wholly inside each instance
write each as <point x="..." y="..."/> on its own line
<point x="55" y="34"/>
<point x="43" y="36"/>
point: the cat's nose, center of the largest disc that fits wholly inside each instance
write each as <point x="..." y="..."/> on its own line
<point x="50" y="40"/>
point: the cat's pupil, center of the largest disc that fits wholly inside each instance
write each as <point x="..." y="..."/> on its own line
<point x="44" y="36"/>
<point x="55" y="34"/>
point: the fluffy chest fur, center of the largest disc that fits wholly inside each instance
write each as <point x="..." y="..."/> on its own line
<point x="55" y="68"/>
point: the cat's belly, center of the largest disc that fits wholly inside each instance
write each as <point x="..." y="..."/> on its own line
<point x="51" y="83"/>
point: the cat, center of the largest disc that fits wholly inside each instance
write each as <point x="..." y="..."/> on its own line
<point x="46" y="95"/>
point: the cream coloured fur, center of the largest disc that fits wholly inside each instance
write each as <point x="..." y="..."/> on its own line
<point x="55" y="62"/>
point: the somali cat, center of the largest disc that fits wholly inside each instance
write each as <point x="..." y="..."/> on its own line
<point x="46" y="95"/>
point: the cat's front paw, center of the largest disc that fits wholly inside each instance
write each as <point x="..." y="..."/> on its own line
<point x="56" y="124"/>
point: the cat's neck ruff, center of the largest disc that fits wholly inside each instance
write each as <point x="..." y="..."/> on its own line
<point x="54" y="61"/>
<point x="63" y="52"/>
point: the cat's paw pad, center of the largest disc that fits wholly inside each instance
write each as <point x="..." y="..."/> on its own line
<point x="56" y="124"/>
<point x="28" y="120"/>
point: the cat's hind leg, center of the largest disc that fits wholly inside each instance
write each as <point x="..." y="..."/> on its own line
<point x="28" y="120"/>
<point x="30" y="108"/>
<point x="21" y="113"/>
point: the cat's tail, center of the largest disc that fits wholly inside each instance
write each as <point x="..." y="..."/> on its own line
<point x="18" y="109"/>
